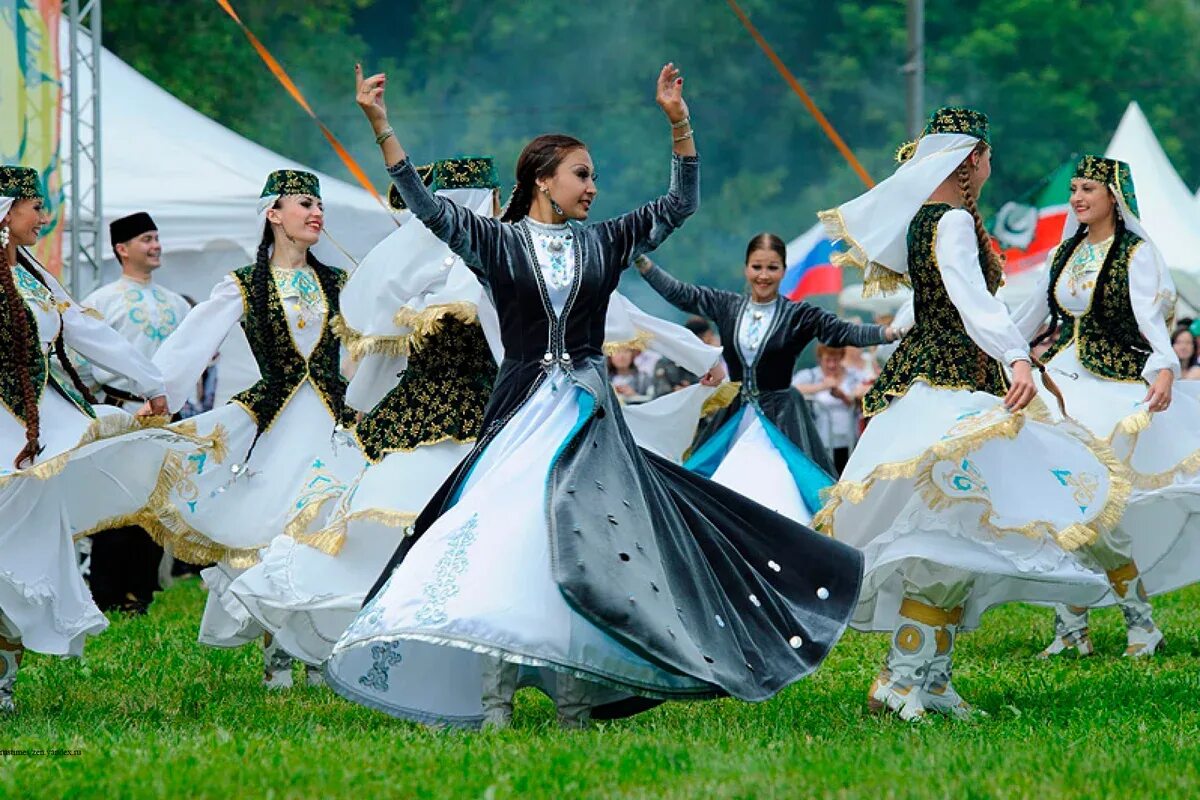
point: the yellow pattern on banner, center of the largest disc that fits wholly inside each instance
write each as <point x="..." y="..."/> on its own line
<point x="30" y="94"/>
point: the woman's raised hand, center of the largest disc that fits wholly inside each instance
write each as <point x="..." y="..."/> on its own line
<point x="369" y="95"/>
<point x="669" y="94"/>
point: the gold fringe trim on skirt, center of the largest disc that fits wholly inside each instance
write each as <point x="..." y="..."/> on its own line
<point x="640" y="341"/>
<point x="921" y="468"/>
<point x="1132" y="427"/>
<point x="164" y="522"/>
<point x="331" y="539"/>
<point x="109" y="426"/>
<point x="423" y="324"/>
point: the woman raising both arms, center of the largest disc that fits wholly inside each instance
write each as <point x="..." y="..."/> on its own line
<point x="560" y="554"/>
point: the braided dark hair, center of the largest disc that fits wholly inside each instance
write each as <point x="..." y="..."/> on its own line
<point x="539" y="159"/>
<point x="994" y="268"/>
<point x="20" y="333"/>
<point x="1058" y="317"/>
<point x="260" y="300"/>
<point x="60" y="346"/>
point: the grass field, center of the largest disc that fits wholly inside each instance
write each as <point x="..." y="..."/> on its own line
<point x="156" y="715"/>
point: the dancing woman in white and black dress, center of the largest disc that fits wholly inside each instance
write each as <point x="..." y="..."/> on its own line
<point x="559" y="553"/>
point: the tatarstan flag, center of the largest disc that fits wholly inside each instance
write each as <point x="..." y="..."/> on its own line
<point x="1031" y="226"/>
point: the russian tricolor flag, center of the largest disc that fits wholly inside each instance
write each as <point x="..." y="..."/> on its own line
<point x="810" y="269"/>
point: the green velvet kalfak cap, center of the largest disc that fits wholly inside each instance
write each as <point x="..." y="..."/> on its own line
<point x="452" y="173"/>
<point x="20" y="183"/>
<point x="955" y="119"/>
<point x="291" y="181"/>
<point x="1110" y="172"/>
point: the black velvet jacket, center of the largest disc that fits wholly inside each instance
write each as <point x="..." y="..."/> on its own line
<point x="677" y="568"/>
<point x="766" y="383"/>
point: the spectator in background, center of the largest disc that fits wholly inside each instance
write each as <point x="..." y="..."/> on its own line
<point x="834" y="392"/>
<point x="631" y="384"/>
<point x="669" y="376"/>
<point x="1184" y="344"/>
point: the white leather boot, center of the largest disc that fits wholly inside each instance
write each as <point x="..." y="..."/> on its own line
<point x="897" y="688"/>
<point x="277" y="664"/>
<point x="940" y="695"/>
<point x="1143" y="637"/>
<point x="1070" y="631"/>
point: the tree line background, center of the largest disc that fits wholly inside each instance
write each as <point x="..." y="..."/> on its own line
<point x="472" y="77"/>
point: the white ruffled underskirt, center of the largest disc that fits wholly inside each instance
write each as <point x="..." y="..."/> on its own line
<point x="72" y="488"/>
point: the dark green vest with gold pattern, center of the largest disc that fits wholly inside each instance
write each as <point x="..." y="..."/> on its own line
<point x="1107" y="336"/>
<point x="938" y="349"/>
<point x="281" y="365"/>
<point x="35" y="359"/>
<point x="441" y="394"/>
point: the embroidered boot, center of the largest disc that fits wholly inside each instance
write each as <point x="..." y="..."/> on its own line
<point x="312" y="675"/>
<point x="572" y="697"/>
<point x="11" y="651"/>
<point x="897" y="688"/>
<point x="1070" y="630"/>
<point x="277" y="664"/>
<point x="1142" y="636"/>
<point x="940" y="695"/>
<point x="499" y="686"/>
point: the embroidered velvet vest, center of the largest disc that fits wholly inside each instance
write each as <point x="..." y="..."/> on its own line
<point x="938" y="349"/>
<point x="1107" y="336"/>
<point x="30" y="352"/>
<point x="281" y="365"/>
<point x="441" y="394"/>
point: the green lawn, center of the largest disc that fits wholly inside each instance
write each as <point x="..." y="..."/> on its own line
<point x="157" y="715"/>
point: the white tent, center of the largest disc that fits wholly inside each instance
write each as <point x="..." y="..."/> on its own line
<point x="1167" y="207"/>
<point x="200" y="181"/>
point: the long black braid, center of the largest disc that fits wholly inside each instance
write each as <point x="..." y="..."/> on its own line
<point x="60" y="347"/>
<point x="260" y="300"/>
<point x="1058" y="317"/>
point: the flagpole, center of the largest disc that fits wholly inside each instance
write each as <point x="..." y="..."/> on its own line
<point x="914" y="68"/>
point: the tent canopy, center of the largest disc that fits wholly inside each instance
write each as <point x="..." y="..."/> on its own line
<point x="1166" y="206"/>
<point x="201" y="181"/>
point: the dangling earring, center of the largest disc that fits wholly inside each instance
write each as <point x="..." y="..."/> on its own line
<point x="555" y="207"/>
<point x="4" y="236"/>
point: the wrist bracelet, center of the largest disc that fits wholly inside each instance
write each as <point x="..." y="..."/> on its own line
<point x="682" y="137"/>
<point x="683" y="123"/>
<point x="384" y="135"/>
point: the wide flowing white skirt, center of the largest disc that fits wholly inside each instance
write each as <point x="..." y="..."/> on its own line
<point x="93" y="474"/>
<point x="951" y="483"/>
<point x="754" y="467"/>
<point x="312" y="580"/>
<point x="216" y="514"/>
<point x="1162" y="452"/>
<point x="478" y="583"/>
<point x="311" y="583"/>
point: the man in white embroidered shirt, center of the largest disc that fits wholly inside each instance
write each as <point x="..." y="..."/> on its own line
<point x="125" y="562"/>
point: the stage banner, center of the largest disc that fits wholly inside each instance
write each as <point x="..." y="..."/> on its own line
<point x="30" y="100"/>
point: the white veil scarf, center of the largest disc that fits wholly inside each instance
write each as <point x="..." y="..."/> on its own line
<point x="874" y="226"/>
<point x="408" y="283"/>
